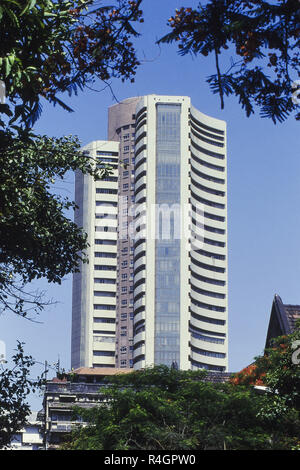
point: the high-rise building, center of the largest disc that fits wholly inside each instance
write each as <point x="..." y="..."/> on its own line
<point x="94" y="288"/>
<point x="121" y="128"/>
<point x="171" y="251"/>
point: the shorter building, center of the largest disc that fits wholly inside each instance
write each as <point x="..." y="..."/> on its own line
<point x="80" y="388"/>
<point x="283" y="319"/>
<point x="30" y="436"/>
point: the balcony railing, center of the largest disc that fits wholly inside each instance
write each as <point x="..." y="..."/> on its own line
<point x="62" y="427"/>
<point x="73" y="388"/>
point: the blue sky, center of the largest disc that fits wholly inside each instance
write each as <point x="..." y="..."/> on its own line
<point x="263" y="197"/>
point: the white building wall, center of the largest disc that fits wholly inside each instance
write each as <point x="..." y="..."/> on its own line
<point x="94" y="288"/>
<point x="208" y="280"/>
<point x="203" y="268"/>
<point x="29" y="437"/>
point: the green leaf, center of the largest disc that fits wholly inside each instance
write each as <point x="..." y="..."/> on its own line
<point x="12" y="16"/>
<point x="7" y="66"/>
<point x="28" y="7"/>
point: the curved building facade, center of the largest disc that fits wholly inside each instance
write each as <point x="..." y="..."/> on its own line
<point x="208" y="262"/>
<point x="180" y="250"/>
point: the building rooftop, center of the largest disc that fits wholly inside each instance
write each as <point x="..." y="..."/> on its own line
<point x="100" y="371"/>
<point x="283" y="319"/>
<point x="292" y="314"/>
<point x="92" y="374"/>
<point x="218" y="377"/>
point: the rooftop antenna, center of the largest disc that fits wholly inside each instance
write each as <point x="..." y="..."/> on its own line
<point x="57" y="365"/>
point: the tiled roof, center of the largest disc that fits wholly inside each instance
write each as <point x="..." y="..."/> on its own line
<point x="217" y="377"/>
<point x="100" y="371"/>
<point x="210" y="376"/>
<point x="57" y="380"/>
<point x="282" y="319"/>
<point x="293" y="314"/>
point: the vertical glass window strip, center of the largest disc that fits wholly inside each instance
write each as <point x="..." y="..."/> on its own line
<point x="167" y="249"/>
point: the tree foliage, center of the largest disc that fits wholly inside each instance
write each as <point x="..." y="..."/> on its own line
<point x="277" y="369"/>
<point x="262" y="36"/>
<point x="15" y="386"/>
<point x="37" y="237"/>
<point x="167" y="409"/>
<point x="48" y="48"/>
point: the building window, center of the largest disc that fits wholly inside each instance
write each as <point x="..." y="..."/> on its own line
<point x="105" y="242"/>
<point x="100" y="280"/>
<point x="104" y="320"/>
<point x="104" y="307"/>
<point x="104" y="353"/>
<point x="100" y="293"/>
<point x="106" y="191"/>
<point x="167" y="251"/>
<point x="106" y="204"/>
<point x="111" y="154"/>
<point x="100" y="254"/>
<point x="100" y="267"/>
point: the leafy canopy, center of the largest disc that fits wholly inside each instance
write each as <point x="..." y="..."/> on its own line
<point x="15" y="386"/>
<point x="48" y="48"/>
<point x="263" y="36"/>
<point x="167" y="409"/>
<point x="278" y="369"/>
<point x="37" y="237"/>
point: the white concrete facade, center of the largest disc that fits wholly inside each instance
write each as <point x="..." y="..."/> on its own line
<point x="94" y="288"/>
<point x="202" y="327"/>
<point x="30" y="436"/>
